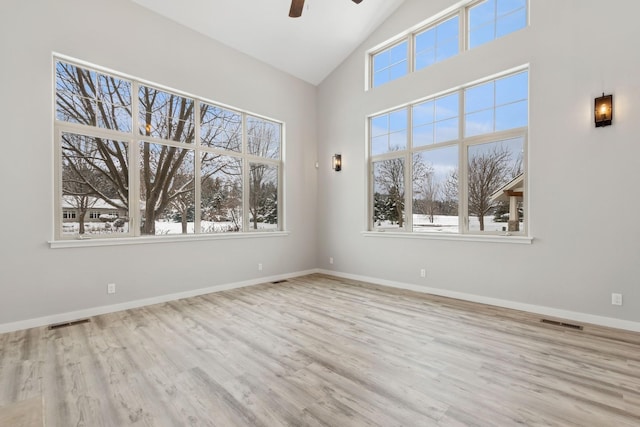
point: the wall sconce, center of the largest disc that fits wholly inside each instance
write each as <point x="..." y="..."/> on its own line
<point x="603" y="110"/>
<point x="336" y="162"/>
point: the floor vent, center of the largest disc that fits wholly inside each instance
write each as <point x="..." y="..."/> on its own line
<point x="65" y="324"/>
<point x="278" y="281"/>
<point x="564" y="325"/>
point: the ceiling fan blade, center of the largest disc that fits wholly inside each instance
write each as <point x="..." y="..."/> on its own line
<point x="357" y="1"/>
<point x="296" y="8"/>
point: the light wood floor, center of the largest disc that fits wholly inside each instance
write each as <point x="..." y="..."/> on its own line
<point x="322" y="351"/>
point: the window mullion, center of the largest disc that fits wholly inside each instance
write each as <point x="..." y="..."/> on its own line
<point x="246" y="190"/>
<point x="411" y="53"/>
<point x="58" y="216"/>
<point x="463" y="223"/>
<point x="408" y="191"/>
<point x="134" y="162"/>
<point x="197" y="181"/>
<point x="463" y="43"/>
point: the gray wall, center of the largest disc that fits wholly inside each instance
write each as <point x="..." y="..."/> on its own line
<point x="37" y="281"/>
<point x="583" y="203"/>
<point x="583" y="211"/>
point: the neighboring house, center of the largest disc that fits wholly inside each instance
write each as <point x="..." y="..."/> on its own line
<point x="511" y="192"/>
<point x="96" y="210"/>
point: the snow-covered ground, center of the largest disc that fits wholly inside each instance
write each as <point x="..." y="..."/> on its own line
<point x="449" y="224"/>
<point x="162" y="228"/>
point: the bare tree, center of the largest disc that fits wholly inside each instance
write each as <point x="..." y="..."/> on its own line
<point x="166" y="116"/>
<point x="389" y="177"/>
<point x="263" y="141"/>
<point x="488" y="171"/>
<point x="450" y="193"/>
<point x="430" y="189"/>
<point x="85" y="178"/>
<point x="90" y="98"/>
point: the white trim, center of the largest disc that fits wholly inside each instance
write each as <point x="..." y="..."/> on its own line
<point x="575" y="316"/>
<point x="96" y="311"/>
<point x="89" y="242"/>
<point x="485" y="238"/>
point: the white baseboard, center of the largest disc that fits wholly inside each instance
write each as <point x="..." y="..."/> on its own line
<point x="546" y="311"/>
<point x="95" y="311"/>
<point x="537" y="309"/>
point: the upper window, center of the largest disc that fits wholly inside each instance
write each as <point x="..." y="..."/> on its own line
<point x="491" y="19"/>
<point x="390" y="64"/>
<point x="437" y="43"/>
<point x="443" y="37"/>
<point x="459" y="170"/>
<point x="158" y="170"/>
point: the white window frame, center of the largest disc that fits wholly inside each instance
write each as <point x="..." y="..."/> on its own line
<point x="463" y="143"/>
<point x="134" y="139"/>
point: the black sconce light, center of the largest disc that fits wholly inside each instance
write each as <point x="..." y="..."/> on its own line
<point x="603" y="110"/>
<point x="336" y="162"/>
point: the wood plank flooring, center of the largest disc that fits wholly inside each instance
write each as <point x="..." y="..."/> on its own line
<point x="323" y="351"/>
<point x="26" y="413"/>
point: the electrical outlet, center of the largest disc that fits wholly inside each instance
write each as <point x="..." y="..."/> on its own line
<point x="111" y="288"/>
<point x="423" y="272"/>
<point x="260" y="267"/>
<point x="330" y="260"/>
<point x="616" y="299"/>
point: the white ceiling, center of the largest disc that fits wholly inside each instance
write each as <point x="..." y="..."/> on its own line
<point x="309" y="47"/>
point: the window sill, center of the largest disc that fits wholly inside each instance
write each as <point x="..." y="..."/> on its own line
<point x="83" y="243"/>
<point x="492" y="238"/>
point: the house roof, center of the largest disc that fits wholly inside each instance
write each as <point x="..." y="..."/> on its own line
<point x="515" y="185"/>
<point x="68" y="202"/>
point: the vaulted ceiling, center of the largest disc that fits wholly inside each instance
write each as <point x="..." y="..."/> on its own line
<point x="309" y="47"/>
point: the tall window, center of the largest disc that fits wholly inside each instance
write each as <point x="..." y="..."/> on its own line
<point x="166" y="163"/>
<point x="460" y="169"/>
<point x="442" y="37"/>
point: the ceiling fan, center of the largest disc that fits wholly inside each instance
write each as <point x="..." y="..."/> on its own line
<point x="298" y="5"/>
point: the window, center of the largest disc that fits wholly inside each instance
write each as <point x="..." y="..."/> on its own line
<point x="491" y="19"/>
<point x="496" y="105"/>
<point x="135" y="160"/>
<point x="437" y="43"/>
<point x="443" y="36"/>
<point x="68" y="214"/>
<point x="390" y="64"/>
<point x="436" y="120"/>
<point x="389" y="132"/>
<point x="461" y="169"/>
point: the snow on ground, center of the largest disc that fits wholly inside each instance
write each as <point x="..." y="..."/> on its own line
<point x="162" y="228"/>
<point x="449" y="224"/>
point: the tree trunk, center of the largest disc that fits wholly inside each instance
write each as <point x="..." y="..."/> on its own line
<point x="81" y="213"/>
<point x="149" y="226"/>
<point x="184" y="222"/>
